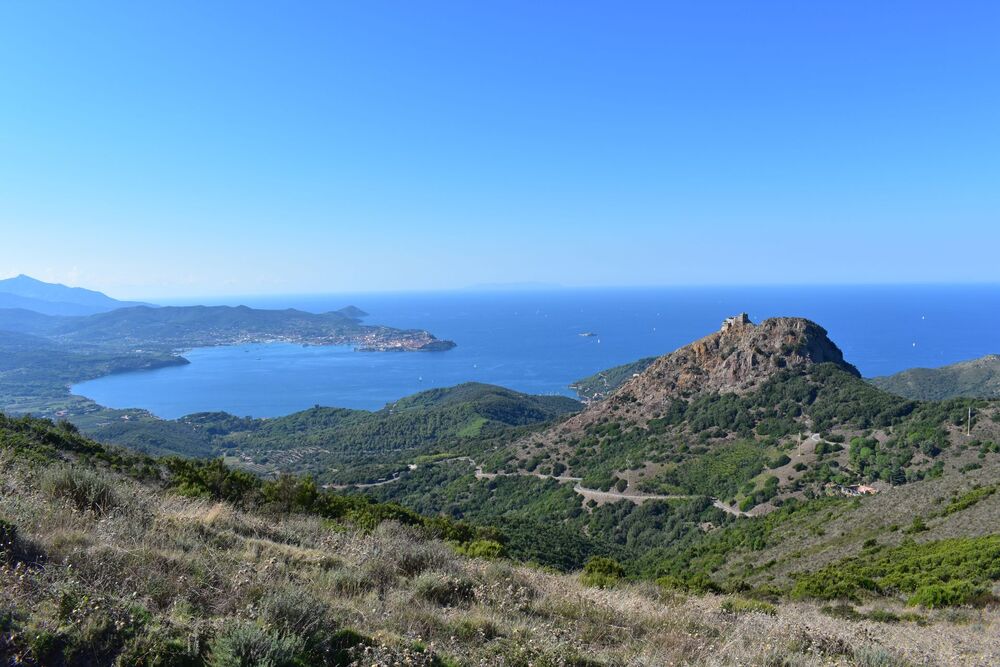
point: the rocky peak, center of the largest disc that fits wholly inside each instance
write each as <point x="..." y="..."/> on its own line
<point x="737" y="358"/>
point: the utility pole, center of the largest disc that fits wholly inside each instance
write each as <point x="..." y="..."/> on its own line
<point x="968" y="428"/>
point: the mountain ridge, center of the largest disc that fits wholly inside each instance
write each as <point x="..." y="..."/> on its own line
<point x="23" y="291"/>
<point x="974" y="378"/>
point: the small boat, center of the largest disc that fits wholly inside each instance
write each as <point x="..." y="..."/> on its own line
<point x="587" y="334"/>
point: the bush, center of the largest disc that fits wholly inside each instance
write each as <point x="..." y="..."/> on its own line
<point x="85" y="489"/>
<point x="967" y="500"/>
<point x="779" y="461"/>
<point x="294" y="611"/>
<point x="745" y="606"/>
<point x="918" y="526"/>
<point x="935" y="574"/>
<point x="482" y="549"/>
<point x="160" y="647"/>
<point x="950" y="594"/>
<point x="601" y="572"/>
<point x="883" y="616"/>
<point x="443" y="589"/>
<point x="246" y="644"/>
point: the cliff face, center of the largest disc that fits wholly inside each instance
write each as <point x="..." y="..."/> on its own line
<point x="738" y="358"/>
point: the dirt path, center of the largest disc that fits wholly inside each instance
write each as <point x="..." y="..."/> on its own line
<point x="596" y="494"/>
<point x="637" y="498"/>
<point x="588" y="494"/>
<point x="340" y="487"/>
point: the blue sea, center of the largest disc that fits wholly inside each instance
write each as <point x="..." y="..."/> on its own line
<point x="530" y="341"/>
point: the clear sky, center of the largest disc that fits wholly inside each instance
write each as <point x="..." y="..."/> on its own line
<point x="182" y="148"/>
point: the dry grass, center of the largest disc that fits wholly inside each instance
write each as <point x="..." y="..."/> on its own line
<point x="158" y="575"/>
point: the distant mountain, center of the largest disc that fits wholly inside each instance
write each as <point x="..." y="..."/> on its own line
<point x="54" y="299"/>
<point x="978" y="378"/>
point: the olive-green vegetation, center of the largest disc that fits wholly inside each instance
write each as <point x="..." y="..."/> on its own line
<point x="44" y="441"/>
<point x="977" y="378"/>
<point x="361" y="446"/>
<point x="970" y="498"/>
<point x="694" y="439"/>
<point x="544" y="521"/>
<point x="34" y="371"/>
<point x="719" y="472"/>
<point x="932" y="574"/>
<point x="719" y="444"/>
<point x="601" y="572"/>
<point x="115" y="558"/>
<point x="738" y="605"/>
<point x="698" y="564"/>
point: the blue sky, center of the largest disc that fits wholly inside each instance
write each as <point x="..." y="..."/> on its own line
<point x="185" y="148"/>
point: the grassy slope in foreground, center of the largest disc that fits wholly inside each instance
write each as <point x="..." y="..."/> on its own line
<point x="104" y="568"/>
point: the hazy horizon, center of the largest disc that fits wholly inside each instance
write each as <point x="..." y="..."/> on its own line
<point x="215" y="298"/>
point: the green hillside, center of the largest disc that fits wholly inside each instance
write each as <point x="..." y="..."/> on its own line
<point x="110" y="557"/>
<point x="978" y="378"/>
<point x="341" y="445"/>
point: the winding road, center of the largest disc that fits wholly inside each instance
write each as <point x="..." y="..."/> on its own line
<point x="588" y="494"/>
<point x="596" y="494"/>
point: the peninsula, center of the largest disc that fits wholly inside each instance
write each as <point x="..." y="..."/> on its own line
<point x="42" y="353"/>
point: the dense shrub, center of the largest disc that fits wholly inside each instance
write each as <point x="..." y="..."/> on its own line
<point x="85" y="489"/>
<point x="246" y="644"/>
<point x="780" y="460"/>
<point x="945" y="572"/>
<point x="946" y="594"/>
<point x="443" y="589"/>
<point x="482" y="549"/>
<point x="738" y="605"/>
<point x="970" y="498"/>
<point x="602" y="572"/>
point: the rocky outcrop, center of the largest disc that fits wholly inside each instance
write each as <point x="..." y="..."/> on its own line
<point x="738" y="358"/>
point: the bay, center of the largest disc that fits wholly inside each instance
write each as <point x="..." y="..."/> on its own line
<point x="530" y="341"/>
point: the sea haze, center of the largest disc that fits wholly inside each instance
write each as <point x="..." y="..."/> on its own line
<point x="530" y="341"/>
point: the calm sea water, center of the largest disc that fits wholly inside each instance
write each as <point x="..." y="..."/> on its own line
<point x="529" y="341"/>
